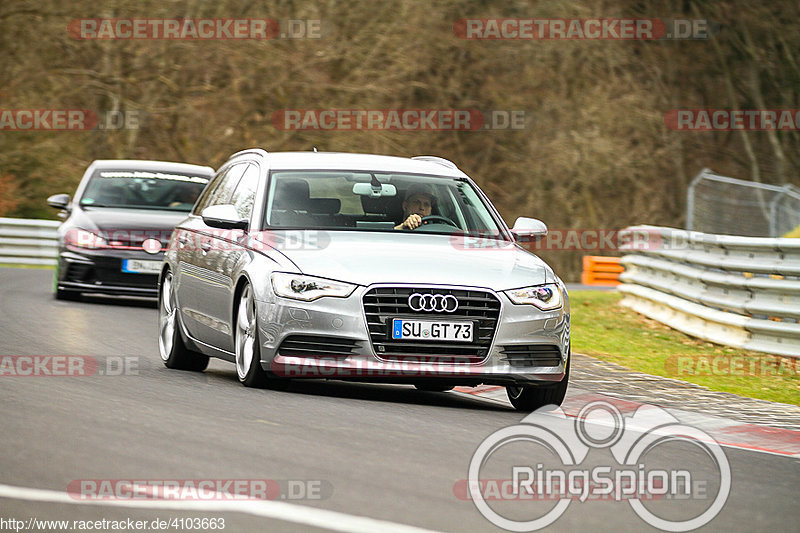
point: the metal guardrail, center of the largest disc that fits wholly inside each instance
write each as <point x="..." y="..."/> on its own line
<point x="736" y="291"/>
<point x="28" y="242"/>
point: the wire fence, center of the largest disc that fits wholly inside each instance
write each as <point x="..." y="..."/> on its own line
<point x="728" y="206"/>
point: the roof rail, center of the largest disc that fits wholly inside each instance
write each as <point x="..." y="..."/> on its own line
<point x="259" y="151"/>
<point x="436" y="159"/>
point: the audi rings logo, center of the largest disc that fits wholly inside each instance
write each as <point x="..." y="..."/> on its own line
<point x="440" y="303"/>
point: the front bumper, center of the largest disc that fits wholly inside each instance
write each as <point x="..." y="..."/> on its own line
<point x="329" y="339"/>
<point x="100" y="271"/>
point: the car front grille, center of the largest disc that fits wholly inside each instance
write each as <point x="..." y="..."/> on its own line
<point x="531" y="355"/>
<point x="381" y="304"/>
<point x="109" y="272"/>
<point x="314" y="346"/>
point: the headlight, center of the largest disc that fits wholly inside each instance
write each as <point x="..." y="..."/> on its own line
<point x="545" y="297"/>
<point x="308" y="288"/>
<point x="84" y="239"/>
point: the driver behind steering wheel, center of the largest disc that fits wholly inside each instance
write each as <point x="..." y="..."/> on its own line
<point x="419" y="202"/>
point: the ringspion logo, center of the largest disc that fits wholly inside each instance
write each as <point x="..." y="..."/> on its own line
<point x="557" y="467"/>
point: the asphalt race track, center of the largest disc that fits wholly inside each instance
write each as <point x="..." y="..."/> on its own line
<point x="345" y="456"/>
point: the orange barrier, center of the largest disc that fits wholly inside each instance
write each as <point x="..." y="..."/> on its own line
<point x="599" y="270"/>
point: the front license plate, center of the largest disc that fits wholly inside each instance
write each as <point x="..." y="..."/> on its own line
<point x="139" y="266"/>
<point x="430" y="330"/>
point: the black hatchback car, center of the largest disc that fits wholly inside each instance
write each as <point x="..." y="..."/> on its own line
<point x="118" y="224"/>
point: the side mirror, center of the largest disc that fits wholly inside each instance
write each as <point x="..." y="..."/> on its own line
<point x="59" y="201"/>
<point x="528" y="229"/>
<point x="224" y="217"/>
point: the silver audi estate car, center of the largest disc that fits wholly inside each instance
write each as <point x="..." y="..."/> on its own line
<point x="362" y="267"/>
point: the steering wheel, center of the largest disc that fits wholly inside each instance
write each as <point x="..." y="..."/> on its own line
<point x="438" y="218"/>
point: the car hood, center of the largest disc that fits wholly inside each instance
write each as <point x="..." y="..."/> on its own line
<point x="128" y="224"/>
<point x="365" y="258"/>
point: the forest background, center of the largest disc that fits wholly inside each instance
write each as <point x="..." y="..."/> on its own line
<point x="595" y="151"/>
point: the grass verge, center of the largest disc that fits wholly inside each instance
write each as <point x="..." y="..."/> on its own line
<point x="606" y="330"/>
<point x="15" y="265"/>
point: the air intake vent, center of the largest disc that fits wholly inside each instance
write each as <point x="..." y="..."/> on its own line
<point x="531" y="355"/>
<point x="80" y="272"/>
<point x="313" y="346"/>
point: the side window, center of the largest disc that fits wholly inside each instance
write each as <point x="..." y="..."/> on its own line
<point x="245" y="193"/>
<point x="212" y="186"/>
<point x="222" y="194"/>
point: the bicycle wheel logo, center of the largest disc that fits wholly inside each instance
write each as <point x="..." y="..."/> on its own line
<point x="628" y="438"/>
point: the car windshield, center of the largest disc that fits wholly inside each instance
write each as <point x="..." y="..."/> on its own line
<point x="376" y="201"/>
<point x="143" y="190"/>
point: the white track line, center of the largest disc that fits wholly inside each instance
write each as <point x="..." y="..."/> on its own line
<point x="286" y="512"/>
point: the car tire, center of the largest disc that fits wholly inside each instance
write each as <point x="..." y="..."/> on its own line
<point x="246" y="343"/>
<point x="171" y="347"/>
<point x="433" y="387"/>
<point x="531" y="398"/>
